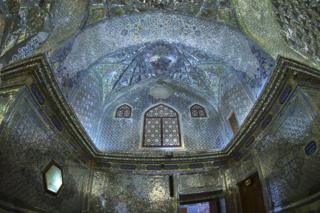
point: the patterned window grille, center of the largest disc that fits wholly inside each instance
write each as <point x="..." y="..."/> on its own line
<point x="123" y="111"/>
<point x="198" y="111"/>
<point x="161" y="127"/>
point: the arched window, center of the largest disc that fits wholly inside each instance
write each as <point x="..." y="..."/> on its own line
<point x="123" y="111"/>
<point x="197" y="111"/>
<point x="161" y="127"/>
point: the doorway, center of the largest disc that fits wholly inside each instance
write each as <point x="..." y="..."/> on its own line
<point x="208" y="202"/>
<point x="251" y="195"/>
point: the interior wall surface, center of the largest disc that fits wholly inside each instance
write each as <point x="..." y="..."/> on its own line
<point x="234" y="173"/>
<point x="299" y="21"/>
<point x="119" y="191"/>
<point x="126" y="134"/>
<point x="287" y="28"/>
<point x="286" y="163"/>
<point x="278" y="156"/>
<point x="28" y="143"/>
<point x="290" y="173"/>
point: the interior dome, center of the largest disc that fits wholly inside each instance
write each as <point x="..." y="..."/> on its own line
<point x="224" y="74"/>
<point x="159" y="106"/>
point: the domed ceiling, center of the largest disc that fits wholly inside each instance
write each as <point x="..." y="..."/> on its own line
<point x="171" y="53"/>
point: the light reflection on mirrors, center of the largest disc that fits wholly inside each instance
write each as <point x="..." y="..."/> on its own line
<point x="6" y="98"/>
<point x="53" y="178"/>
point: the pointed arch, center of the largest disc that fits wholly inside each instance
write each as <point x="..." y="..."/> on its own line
<point x="123" y="111"/>
<point x="198" y="111"/>
<point x="161" y="127"/>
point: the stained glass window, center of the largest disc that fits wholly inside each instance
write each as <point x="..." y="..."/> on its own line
<point x="198" y="111"/>
<point x="161" y="127"/>
<point x="123" y="111"/>
<point x="53" y="178"/>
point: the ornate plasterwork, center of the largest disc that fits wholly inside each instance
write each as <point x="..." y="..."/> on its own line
<point x="285" y="169"/>
<point x="185" y="65"/>
<point x="27" y="26"/>
<point x="281" y="27"/>
<point x="29" y="142"/>
<point x="186" y="72"/>
<point x="299" y="21"/>
<point x="160" y="92"/>
<point x="6" y="98"/>
<point x="121" y="52"/>
<point x="35" y="73"/>
<point x="37" y="67"/>
<point x="214" y="38"/>
<point x="213" y="10"/>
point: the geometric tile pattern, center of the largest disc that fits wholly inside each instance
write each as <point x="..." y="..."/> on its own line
<point x="116" y="135"/>
<point x="27" y="144"/>
<point x="123" y="111"/>
<point x="289" y="173"/>
<point x="299" y="22"/>
<point x="161" y="127"/>
<point x="197" y="111"/>
<point x="155" y="197"/>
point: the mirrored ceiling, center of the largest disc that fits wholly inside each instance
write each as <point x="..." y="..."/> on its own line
<point x="138" y="54"/>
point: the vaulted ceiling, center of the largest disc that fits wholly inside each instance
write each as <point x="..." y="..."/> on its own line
<point x="105" y="53"/>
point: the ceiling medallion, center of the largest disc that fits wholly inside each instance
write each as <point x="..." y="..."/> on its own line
<point x="160" y="92"/>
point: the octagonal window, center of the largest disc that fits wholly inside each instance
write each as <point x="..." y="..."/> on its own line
<point x="53" y="178"/>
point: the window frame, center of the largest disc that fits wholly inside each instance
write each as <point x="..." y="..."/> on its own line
<point x="123" y="110"/>
<point x="144" y="130"/>
<point x="45" y="185"/>
<point x="202" y="108"/>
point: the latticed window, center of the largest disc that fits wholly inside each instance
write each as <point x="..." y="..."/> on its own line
<point x="198" y="111"/>
<point x="161" y="127"/>
<point x="123" y="111"/>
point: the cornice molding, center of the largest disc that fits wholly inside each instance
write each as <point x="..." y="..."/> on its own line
<point x="37" y="71"/>
<point x="36" y="74"/>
